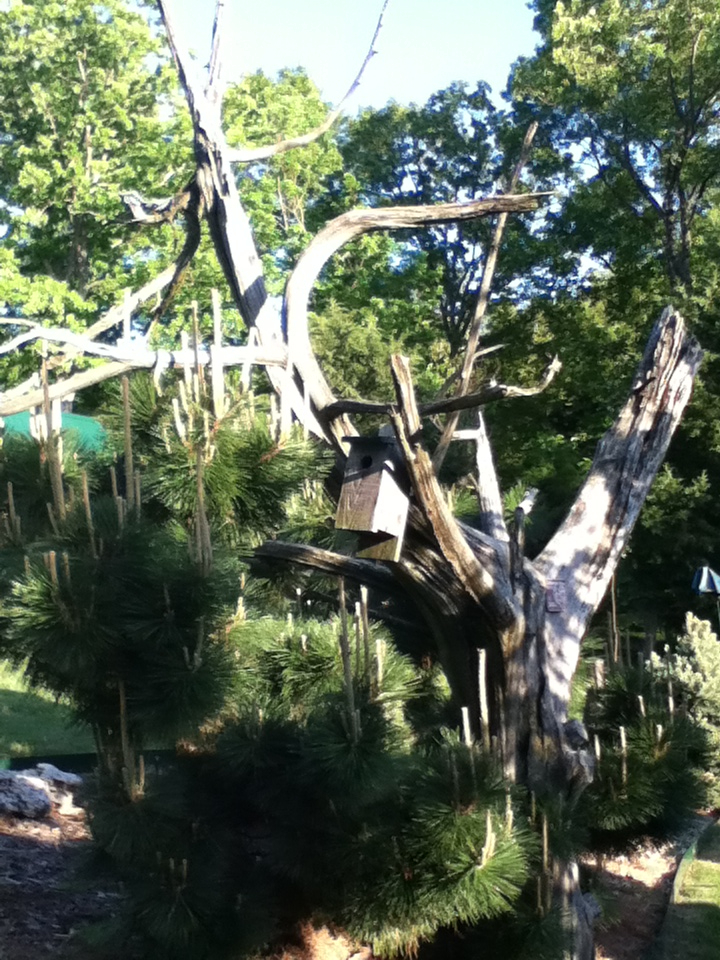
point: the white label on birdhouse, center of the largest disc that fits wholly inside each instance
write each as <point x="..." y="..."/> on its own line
<point x="556" y="596"/>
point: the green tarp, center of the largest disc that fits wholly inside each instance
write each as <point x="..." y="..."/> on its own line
<point x="91" y="434"/>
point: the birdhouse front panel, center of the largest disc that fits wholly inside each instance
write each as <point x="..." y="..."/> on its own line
<point x="360" y="491"/>
<point x="392" y="504"/>
<point x="374" y="498"/>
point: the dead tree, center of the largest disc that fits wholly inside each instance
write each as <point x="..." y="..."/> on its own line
<point x="480" y="597"/>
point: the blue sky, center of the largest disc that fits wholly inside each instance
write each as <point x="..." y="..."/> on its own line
<point x="424" y="45"/>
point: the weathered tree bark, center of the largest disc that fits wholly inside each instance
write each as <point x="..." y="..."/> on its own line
<point x="302" y="386"/>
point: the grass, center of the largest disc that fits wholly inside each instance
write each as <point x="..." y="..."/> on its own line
<point x="692" y="926"/>
<point x="32" y="723"/>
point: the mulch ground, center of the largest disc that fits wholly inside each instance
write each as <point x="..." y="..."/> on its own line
<point x="43" y="906"/>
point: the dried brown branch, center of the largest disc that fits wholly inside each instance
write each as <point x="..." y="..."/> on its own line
<point x="233" y="240"/>
<point x="180" y="56"/>
<point x="325" y="561"/>
<point x="81" y="343"/>
<point x="255" y="154"/>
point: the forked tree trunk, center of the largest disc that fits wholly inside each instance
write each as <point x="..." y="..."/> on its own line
<point x="532" y="616"/>
<point x="476" y="591"/>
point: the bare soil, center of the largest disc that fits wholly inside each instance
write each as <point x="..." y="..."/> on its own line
<point x="635" y="893"/>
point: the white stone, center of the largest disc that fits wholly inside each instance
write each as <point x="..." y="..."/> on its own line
<point x="32" y="793"/>
<point x="24" y="796"/>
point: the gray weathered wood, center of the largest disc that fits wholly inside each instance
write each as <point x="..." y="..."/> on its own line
<point x="488" y="394"/>
<point x="483" y="300"/>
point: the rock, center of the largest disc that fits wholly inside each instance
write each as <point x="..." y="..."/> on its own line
<point x="51" y="773"/>
<point x="61" y="786"/>
<point x="32" y="793"/>
<point x="25" y="796"/>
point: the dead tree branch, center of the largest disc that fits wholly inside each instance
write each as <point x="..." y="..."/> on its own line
<point x="230" y="229"/>
<point x="489" y="393"/>
<point x="342" y="230"/>
<point x="25" y="395"/>
<point x="56" y="391"/>
<point x="480" y="579"/>
<point x="255" y="154"/>
<point x="145" y="210"/>
<point x="333" y="564"/>
<point x="488" y="488"/>
<point x="355" y="223"/>
<point x="482" y="303"/>
<point x="585" y="550"/>
<point x="117" y="314"/>
<point x="122" y="359"/>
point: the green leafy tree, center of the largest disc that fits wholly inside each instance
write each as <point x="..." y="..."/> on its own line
<point x="632" y="88"/>
<point x="280" y="193"/>
<point x="445" y="151"/>
<point x="627" y="94"/>
<point x="82" y="91"/>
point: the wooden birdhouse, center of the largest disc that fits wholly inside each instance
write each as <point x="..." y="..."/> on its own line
<point x="374" y="497"/>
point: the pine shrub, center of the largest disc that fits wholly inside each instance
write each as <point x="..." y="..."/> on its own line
<point x="654" y="782"/>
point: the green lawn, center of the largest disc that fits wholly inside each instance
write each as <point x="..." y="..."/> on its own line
<point x="32" y="723"/>
<point x="692" y="927"/>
